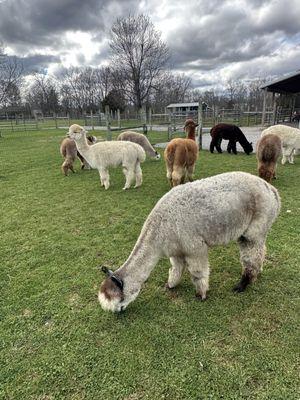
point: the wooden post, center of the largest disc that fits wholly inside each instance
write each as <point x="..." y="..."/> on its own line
<point x="55" y="119"/>
<point x="69" y="120"/>
<point x="92" y="120"/>
<point x="107" y="115"/>
<point x="248" y="115"/>
<point x="200" y="122"/>
<point x="263" y="117"/>
<point x="119" y="118"/>
<point x="274" y="108"/>
<point x="150" y="119"/>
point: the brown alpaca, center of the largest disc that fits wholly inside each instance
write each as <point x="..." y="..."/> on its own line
<point x="181" y="155"/>
<point x="69" y="152"/>
<point x="268" y="151"/>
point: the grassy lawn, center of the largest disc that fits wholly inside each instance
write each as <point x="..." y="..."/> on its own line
<point x="57" y="343"/>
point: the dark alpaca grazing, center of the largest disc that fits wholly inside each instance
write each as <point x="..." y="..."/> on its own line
<point x="268" y="152"/>
<point x="231" y="133"/>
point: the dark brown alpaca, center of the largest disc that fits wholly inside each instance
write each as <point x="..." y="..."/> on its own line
<point x="181" y="155"/>
<point x="69" y="152"/>
<point x="231" y="133"/>
<point x="268" y="151"/>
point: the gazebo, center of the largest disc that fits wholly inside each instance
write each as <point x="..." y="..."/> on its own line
<point x="287" y="88"/>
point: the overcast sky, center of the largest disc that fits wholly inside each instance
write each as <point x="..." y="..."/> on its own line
<point x="211" y="41"/>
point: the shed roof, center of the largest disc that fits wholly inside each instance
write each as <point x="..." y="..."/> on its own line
<point x="182" y="105"/>
<point x="288" y="84"/>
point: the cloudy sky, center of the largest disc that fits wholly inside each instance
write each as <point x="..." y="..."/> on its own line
<point x="210" y="40"/>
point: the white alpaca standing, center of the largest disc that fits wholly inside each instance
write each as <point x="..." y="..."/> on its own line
<point x="186" y="222"/>
<point x="140" y="139"/>
<point x="103" y="155"/>
<point x="290" y="138"/>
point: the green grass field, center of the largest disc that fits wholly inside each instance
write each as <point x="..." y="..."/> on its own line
<point x="57" y="343"/>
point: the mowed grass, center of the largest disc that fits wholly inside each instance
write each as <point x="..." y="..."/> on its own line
<point x="57" y="343"/>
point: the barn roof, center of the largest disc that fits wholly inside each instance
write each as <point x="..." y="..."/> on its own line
<point x="288" y="84"/>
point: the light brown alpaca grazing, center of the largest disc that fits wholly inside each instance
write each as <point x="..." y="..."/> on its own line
<point x="181" y="155"/>
<point x="268" y="151"/>
<point x="69" y="152"/>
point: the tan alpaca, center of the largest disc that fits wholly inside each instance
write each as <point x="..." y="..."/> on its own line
<point x="181" y="155"/>
<point x="69" y="152"/>
<point x="268" y="151"/>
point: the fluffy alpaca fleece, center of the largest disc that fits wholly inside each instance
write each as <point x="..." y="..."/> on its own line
<point x="69" y="152"/>
<point x="231" y="133"/>
<point x="181" y="155"/>
<point x="103" y="155"/>
<point x="186" y="222"/>
<point x="267" y="152"/>
<point x="140" y="139"/>
<point x="290" y="138"/>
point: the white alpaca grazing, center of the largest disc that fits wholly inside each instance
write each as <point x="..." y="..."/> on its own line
<point x="290" y="138"/>
<point x="186" y="222"/>
<point x="142" y="140"/>
<point x="103" y="155"/>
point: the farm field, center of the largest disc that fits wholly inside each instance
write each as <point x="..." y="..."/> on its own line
<point x="56" y="341"/>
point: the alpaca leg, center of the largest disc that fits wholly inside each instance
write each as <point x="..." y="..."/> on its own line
<point x="291" y="157"/>
<point x="252" y="256"/>
<point x="104" y="178"/>
<point x="129" y="174"/>
<point x="177" y="175"/>
<point x="212" y="146"/>
<point x="138" y="175"/>
<point x="218" y="145"/>
<point x="233" y="147"/>
<point x="169" y="168"/>
<point x="198" y="266"/>
<point x="286" y="154"/>
<point x="229" y="147"/>
<point x="64" y="168"/>
<point x="190" y="172"/>
<point x="175" y="272"/>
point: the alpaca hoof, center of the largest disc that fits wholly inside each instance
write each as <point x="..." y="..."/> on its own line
<point x="137" y="186"/>
<point x="238" y="288"/>
<point x="125" y="188"/>
<point x="200" y="297"/>
<point x="168" y="287"/>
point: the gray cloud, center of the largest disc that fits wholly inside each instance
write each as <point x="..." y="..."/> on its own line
<point x="209" y="40"/>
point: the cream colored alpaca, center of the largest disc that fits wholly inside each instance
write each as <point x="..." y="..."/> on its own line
<point x="290" y="138"/>
<point x="103" y="155"/>
<point x="189" y="220"/>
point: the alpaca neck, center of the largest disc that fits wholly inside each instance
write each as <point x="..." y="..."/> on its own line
<point x="143" y="258"/>
<point x="82" y="144"/>
<point x="191" y="134"/>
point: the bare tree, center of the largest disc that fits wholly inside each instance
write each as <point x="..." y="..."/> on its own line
<point x="11" y="72"/>
<point x="43" y="93"/>
<point x="138" y="57"/>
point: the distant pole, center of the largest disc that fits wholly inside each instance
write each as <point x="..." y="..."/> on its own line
<point x="200" y="124"/>
<point x="55" y="119"/>
<point x="274" y="108"/>
<point x="263" y="117"/>
<point x="150" y="119"/>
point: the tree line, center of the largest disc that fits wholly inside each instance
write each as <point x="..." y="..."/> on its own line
<point x="137" y="75"/>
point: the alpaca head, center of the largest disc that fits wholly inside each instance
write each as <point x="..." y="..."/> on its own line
<point x="190" y="126"/>
<point x="76" y="132"/>
<point x="266" y="173"/>
<point x="248" y="148"/>
<point x="157" y="156"/>
<point x="111" y="295"/>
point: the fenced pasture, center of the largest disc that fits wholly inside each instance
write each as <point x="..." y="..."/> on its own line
<point x="57" y="343"/>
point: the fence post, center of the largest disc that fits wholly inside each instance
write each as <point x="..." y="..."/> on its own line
<point x="169" y="132"/>
<point x="150" y="119"/>
<point x="263" y="117"/>
<point x="145" y="130"/>
<point x="69" y="120"/>
<point x="107" y="116"/>
<point x="92" y="120"/>
<point x="55" y="118"/>
<point x="200" y="127"/>
<point x="119" y="118"/>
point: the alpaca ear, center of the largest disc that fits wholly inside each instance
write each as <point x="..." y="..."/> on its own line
<point x="117" y="281"/>
<point x="107" y="272"/>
